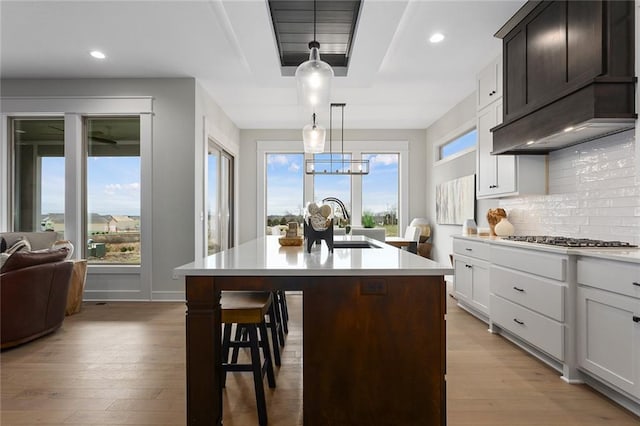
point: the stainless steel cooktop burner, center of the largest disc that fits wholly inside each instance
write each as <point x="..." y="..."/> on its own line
<point x="568" y="242"/>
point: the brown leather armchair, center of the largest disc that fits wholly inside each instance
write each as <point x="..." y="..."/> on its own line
<point x="33" y="295"/>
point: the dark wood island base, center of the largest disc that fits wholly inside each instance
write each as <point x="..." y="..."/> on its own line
<point x="374" y="348"/>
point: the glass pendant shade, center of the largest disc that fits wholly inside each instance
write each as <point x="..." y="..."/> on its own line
<point x="313" y="78"/>
<point x="313" y="137"/>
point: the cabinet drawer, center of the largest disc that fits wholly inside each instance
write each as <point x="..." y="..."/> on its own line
<point x="538" y="294"/>
<point x="610" y="275"/>
<point x="544" y="333"/>
<point x="475" y="249"/>
<point x="532" y="261"/>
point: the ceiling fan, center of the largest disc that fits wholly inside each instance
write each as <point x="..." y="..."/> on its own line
<point x="95" y="135"/>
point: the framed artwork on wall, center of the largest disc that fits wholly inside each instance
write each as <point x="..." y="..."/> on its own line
<point x="456" y="200"/>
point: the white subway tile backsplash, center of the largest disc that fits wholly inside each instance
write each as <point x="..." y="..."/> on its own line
<point x="594" y="192"/>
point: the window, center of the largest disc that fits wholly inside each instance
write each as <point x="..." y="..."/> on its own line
<point x="380" y="192"/>
<point x="39" y="182"/>
<point x="383" y="192"/>
<point x="460" y="145"/>
<point x="113" y="190"/>
<point x="284" y="188"/>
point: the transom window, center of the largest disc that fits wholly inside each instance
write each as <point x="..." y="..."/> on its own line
<point x="459" y="145"/>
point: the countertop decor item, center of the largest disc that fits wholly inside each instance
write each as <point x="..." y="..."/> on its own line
<point x="469" y="227"/>
<point x="504" y="228"/>
<point x="318" y="225"/>
<point x="290" y="241"/>
<point x="493" y="217"/>
<point x="292" y="238"/>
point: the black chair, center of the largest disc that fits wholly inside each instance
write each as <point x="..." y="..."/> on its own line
<point x="247" y="310"/>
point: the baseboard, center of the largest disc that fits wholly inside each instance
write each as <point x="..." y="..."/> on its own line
<point x="613" y="394"/>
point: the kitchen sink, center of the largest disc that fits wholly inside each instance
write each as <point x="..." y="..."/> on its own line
<point x="353" y="244"/>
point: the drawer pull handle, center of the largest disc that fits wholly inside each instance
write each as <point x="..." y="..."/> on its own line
<point x="521" y="290"/>
<point x="468" y="266"/>
<point x="636" y="319"/>
<point x="518" y="321"/>
<point x="468" y="249"/>
<point x="636" y="283"/>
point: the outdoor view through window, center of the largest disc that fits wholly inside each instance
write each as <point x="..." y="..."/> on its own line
<point x="112" y="195"/>
<point x="113" y="190"/>
<point x="380" y="189"/>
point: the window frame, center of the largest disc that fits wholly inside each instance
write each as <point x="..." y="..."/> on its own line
<point x="356" y="149"/>
<point x="450" y="137"/>
<point x="83" y="249"/>
<point x="100" y="106"/>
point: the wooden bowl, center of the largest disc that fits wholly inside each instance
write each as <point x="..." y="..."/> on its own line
<point x="290" y="241"/>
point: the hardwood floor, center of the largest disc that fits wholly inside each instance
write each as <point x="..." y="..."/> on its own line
<point x="123" y="364"/>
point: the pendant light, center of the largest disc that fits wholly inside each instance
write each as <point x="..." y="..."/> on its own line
<point x="340" y="165"/>
<point x="313" y="77"/>
<point x="313" y="137"/>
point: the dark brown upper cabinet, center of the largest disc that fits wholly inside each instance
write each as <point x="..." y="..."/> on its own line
<point x="566" y="64"/>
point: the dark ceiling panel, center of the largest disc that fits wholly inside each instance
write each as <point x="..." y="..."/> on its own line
<point x="335" y="26"/>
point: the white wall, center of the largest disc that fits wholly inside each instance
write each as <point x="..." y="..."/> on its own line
<point x="248" y="180"/>
<point x="174" y="145"/>
<point x="448" y="126"/>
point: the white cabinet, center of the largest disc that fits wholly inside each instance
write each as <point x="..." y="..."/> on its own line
<point x="502" y="175"/>
<point x="471" y="275"/>
<point x="609" y="322"/>
<point x="489" y="83"/>
<point x="492" y="167"/>
<point x="528" y="297"/>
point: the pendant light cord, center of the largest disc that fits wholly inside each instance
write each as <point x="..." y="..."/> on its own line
<point x="342" y="136"/>
<point x="314" y="20"/>
<point x="330" y="134"/>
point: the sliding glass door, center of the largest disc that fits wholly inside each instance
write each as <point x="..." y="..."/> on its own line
<point x="219" y="199"/>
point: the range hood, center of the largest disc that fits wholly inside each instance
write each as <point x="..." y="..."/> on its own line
<point x="581" y="116"/>
<point x="568" y="75"/>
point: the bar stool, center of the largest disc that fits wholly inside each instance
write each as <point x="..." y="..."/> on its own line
<point x="247" y="310"/>
<point x="281" y="301"/>
<point x="274" y="324"/>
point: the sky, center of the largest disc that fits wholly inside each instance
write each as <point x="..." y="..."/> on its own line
<point x="285" y="183"/>
<point x="113" y="185"/>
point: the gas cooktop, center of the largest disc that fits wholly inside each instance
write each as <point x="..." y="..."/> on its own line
<point x="569" y="242"/>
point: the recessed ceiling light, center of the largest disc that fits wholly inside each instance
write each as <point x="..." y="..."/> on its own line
<point x="97" y="54"/>
<point x="436" y="38"/>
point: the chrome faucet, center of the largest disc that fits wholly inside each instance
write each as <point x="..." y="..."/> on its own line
<point x="345" y="214"/>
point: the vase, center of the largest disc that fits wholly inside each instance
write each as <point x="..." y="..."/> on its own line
<point x="504" y="228"/>
<point x="469" y="227"/>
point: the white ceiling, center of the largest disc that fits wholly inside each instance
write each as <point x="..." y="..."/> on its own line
<point x="397" y="79"/>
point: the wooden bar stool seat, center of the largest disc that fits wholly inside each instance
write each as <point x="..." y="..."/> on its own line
<point x="247" y="310"/>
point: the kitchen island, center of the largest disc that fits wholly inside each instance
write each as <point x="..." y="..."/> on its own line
<point x="373" y="329"/>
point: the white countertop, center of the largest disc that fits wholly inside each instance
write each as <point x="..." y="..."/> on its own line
<point x="620" y="254"/>
<point x="265" y="256"/>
